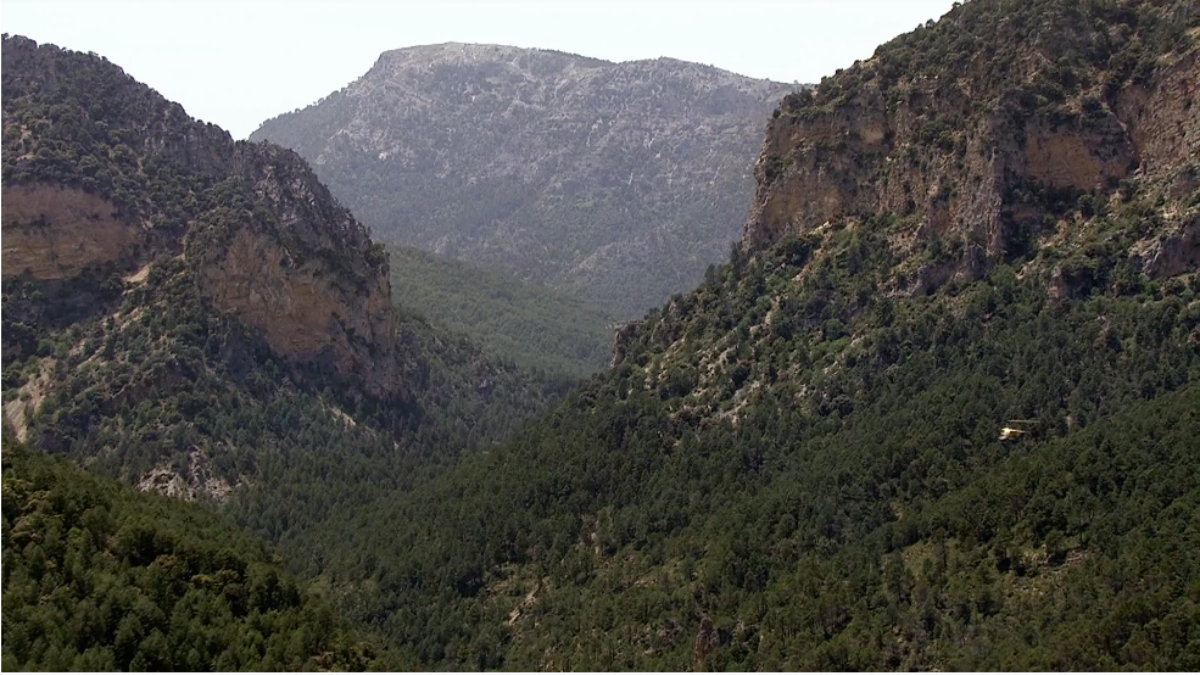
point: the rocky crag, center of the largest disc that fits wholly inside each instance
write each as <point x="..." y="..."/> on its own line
<point x="116" y="193"/>
<point x="991" y="140"/>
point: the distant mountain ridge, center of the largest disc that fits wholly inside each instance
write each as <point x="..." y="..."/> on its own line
<point x="620" y="182"/>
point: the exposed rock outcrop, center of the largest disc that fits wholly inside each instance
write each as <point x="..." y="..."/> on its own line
<point x="305" y="313"/>
<point x="1162" y="117"/>
<point x="1175" y="253"/>
<point x="197" y="482"/>
<point x="982" y="154"/>
<point x="266" y="241"/>
<point x="55" y="231"/>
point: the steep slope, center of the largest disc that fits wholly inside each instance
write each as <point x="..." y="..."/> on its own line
<point x="985" y="130"/>
<point x="531" y="325"/>
<point x="194" y="314"/>
<point x="800" y="465"/>
<point x="618" y="182"/>
<point x="115" y="183"/>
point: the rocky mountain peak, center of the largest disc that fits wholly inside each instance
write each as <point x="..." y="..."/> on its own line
<point x="476" y="53"/>
<point x="618" y="181"/>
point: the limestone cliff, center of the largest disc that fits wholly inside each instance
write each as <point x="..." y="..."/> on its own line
<point x="117" y="180"/>
<point x="55" y="231"/>
<point x="310" y="278"/>
<point x="990" y="126"/>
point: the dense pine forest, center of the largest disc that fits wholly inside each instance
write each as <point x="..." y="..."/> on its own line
<point x="535" y="327"/>
<point x="939" y="409"/>
<point x="98" y="576"/>
<point x="665" y="496"/>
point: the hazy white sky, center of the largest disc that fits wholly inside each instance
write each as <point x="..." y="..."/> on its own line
<point x="238" y="63"/>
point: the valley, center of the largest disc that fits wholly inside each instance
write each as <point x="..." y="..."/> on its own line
<point x="800" y="457"/>
<point x="535" y="327"/>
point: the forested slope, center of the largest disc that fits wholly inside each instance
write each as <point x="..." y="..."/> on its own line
<point x="533" y="326"/>
<point x="799" y="465"/>
<point x="606" y="536"/>
<point x="100" y="577"/>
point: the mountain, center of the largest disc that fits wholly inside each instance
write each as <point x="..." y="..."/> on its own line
<point x="618" y="182"/>
<point x="201" y="317"/>
<point x="988" y="139"/>
<point x="938" y="411"/>
<point x="533" y="326"/>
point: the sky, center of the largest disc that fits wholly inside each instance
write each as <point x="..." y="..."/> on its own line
<point x="237" y="63"/>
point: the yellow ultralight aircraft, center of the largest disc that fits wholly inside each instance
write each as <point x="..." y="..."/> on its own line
<point x="1013" y="433"/>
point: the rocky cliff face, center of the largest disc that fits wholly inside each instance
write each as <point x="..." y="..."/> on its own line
<point x="990" y="142"/>
<point x="619" y="181"/>
<point x="56" y="232"/>
<point x="264" y="239"/>
<point x="312" y="280"/>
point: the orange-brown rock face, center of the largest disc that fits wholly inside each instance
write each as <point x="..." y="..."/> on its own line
<point x="962" y="151"/>
<point x="305" y="312"/>
<point x="100" y="170"/>
<point x="313" y="281"/>
<point x="855" y="158"/>
<point x="55" y="232"/>
<point x="305" y="285"/>
<point x="1163" y="119"/>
